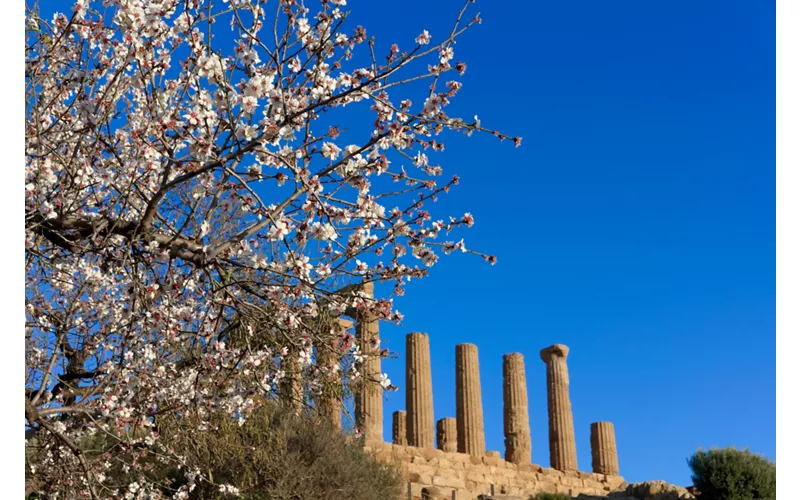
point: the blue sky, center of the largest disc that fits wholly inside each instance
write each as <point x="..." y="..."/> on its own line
<point x="635" y="224"/>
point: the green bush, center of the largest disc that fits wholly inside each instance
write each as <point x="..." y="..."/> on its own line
<point x="551" y="496"/>
<point x="276" y="455"/>
<point x="731" y="474"/>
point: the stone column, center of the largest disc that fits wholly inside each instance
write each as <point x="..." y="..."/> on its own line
<point x="369" y="397"/>
<point x="292" y="383"/>
<point x="329" y="404"/>
<point x="447" y="435"/>
<point x="469" y="409"/>
<point x="399" y="433"/>
<point x="331" y="410"/>
<point x="419" y="391"/>
<point x="515" y="405"/>
<point x="563" y="455"/>
<point x="604" y="449"/>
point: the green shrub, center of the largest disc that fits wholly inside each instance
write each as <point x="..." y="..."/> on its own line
<point x="731" y="474"/>
<point x="276" y="455"/>
<point x="551" y="496"/>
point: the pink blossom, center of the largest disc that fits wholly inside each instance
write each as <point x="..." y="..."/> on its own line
<point x="424" y="38"/>
<point x="190" y="216"/>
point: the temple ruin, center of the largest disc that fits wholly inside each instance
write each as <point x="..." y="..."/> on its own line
<point x="449" y="454"/>
<point x="460" y="466"/>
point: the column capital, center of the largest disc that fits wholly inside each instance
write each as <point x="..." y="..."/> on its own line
<point x="513" y="355"/>
<point x="554" y="351"/>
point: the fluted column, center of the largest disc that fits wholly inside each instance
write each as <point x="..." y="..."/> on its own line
<point x="469" y="409"/>
<point x="563" y="455"/>
<point x="604" y="449"/>
<point x="369" y="397"/>
<point x="329" y="405"/>
<point x="447" y="434"/>
<point x="332" y="412"/>
<point x="515" y="405"/>
<point x="419" y="391"/>
<point x="292" y="383"/>
<point x="399" y="434"/>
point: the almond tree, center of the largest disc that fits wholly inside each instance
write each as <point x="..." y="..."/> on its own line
<point x="196" y="204"/>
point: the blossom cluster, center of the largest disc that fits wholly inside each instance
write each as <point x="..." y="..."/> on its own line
<point x="198" y="214"/>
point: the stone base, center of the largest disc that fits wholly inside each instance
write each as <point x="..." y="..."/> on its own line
<point x="470" y="476"/>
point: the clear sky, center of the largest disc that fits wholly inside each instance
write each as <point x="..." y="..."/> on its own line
<point x="635" y="224"/>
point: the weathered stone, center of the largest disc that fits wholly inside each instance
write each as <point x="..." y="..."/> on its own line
<point x="431" y="454"/>
<point x="547" y="487"/>
<point x="501" y="497"/>
<point x="447" y="435"/>
<point x="449" y="482"/>
<point x="563" y="454"/>
<point x="433" y="493"/>
<point x="572" y="482"/>
<point x="549" y="471"/>
<point x="516" y="424"/>
<point x="657" y="490"/>
<point x="399" y="434"/>
<point x="369" y="396"/>
<point x="604" y="448"/>
<point x="329" y="406"/>
<point x="590" y="483"/>
<point x="292" y="383"/>
<point x="416" y="477"/>
<point x="416" y="492"/>
<point x="615" y="482"/>
<point x="419" y="391"/>
<point x="530" y="468"/>
<point x="469" y="408"/>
